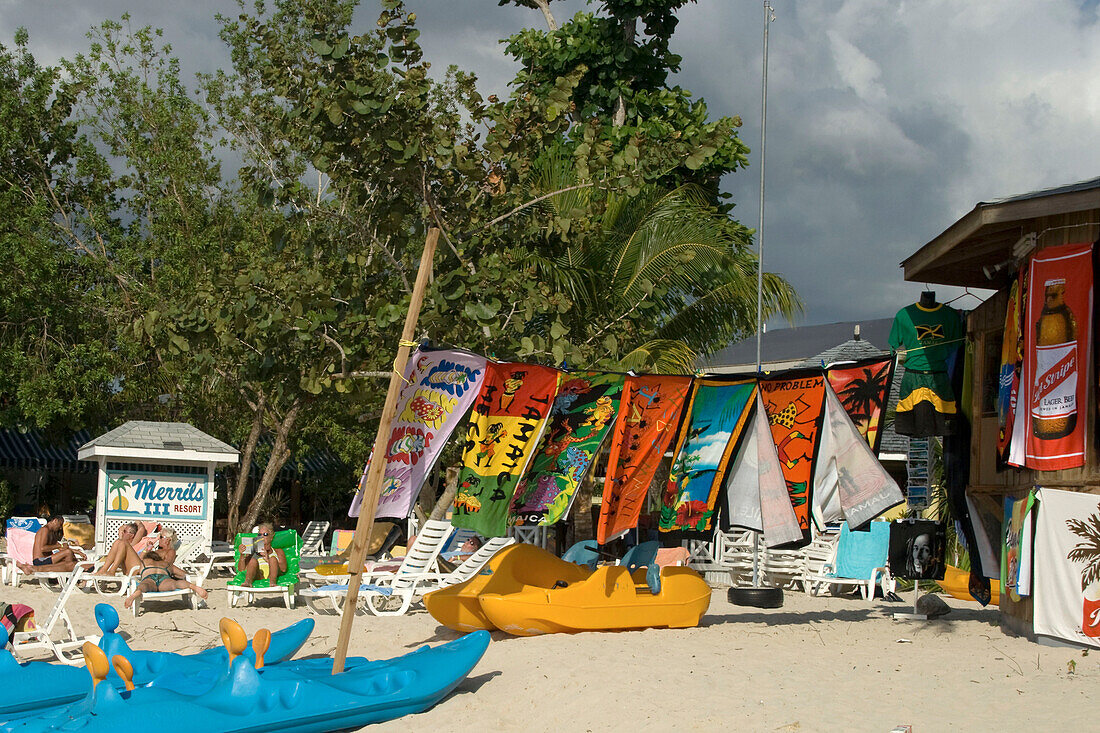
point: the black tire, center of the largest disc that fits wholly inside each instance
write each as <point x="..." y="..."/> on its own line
<point x="756" y="597"/>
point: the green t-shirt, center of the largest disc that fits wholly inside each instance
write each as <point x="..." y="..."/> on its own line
<point x="929" y="335"/>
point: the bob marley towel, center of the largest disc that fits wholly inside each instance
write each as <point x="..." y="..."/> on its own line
<point x="506" y="423"/>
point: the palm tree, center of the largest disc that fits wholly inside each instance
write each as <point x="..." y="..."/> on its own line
<point x="863" y="395"/>
<point x="672" y="253"/>
<point x="1087" y="551"/>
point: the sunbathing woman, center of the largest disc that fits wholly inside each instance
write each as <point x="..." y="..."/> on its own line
<point x="157" y="575"/>
<point x="122" y="555"/>
<point x="261" y="560"/>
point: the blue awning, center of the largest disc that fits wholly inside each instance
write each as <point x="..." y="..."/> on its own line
<point x="31" y="449"/>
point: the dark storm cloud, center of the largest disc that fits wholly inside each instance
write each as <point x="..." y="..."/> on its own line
<point x="886" y="121"/>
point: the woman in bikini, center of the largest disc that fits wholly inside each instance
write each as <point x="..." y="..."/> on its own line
<point x="122" y="555"/>
<point x="261" y="560"/>
<point x="157" y="574"/>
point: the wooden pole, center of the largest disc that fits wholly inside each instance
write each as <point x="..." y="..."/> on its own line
<point x="373" y="486"/>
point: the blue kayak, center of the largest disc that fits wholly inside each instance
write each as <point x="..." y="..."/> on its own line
<point x="31" y="686"/>
<point x="246" y="700"/>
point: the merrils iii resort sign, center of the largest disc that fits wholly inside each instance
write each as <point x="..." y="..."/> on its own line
<point x="156" y="496"/>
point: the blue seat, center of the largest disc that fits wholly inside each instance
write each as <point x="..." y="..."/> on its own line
<point x="585" y="552"/>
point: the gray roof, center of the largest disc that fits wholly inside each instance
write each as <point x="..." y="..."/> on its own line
<point x="850" y="351"/>
<point x="800" y="342"/>
<point x="160" y="436"/>
<point x="1041" y="193"/>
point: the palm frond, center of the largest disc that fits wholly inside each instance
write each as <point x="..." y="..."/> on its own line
<point x="661" y="356"/>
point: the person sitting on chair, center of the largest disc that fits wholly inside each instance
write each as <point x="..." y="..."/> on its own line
<point x="122" y="555"/>
<point x="157" y="574"/>
<point x="50" y="554"/>
<point x="164" y="544"/>
<point x="261" y="560"/>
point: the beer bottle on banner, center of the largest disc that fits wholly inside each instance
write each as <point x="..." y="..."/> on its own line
<point x="1054" y="402"/>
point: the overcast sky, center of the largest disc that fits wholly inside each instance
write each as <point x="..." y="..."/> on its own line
<point x="887" y="119"/>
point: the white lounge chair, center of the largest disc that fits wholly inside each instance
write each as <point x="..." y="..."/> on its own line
<point x="20" y="550"/>
<point x="46" y="634"/>
<point x="313" y="538"/>
<point x="418" y="568"/>
<point x="864" y="570"/>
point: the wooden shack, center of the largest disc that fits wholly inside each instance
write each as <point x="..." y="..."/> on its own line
<point x="983" y="249"/>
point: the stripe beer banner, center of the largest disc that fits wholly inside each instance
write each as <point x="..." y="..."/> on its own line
<point x="506" y="423"/>
<point x="650" y="413"/>
<point x="1059" y="326"/>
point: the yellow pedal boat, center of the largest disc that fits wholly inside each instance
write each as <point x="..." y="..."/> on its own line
<point x="608" y="600"/>
<point x="956" y="583"/>
<point x="514" y="568"/>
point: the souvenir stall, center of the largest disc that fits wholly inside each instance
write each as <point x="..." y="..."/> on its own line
<point x="157" y="473"/>
<point x="1030" y="467"/>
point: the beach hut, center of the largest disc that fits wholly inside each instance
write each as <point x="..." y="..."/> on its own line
<point x="159" y="472"/>
<point x="984" y="249"/>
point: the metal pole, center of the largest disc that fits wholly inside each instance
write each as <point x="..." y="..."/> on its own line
<point x="769" y="16"/>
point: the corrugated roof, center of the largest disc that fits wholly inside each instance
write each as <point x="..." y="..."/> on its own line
<point x="1053" y="191"/>
<point x="891" y="442"/>
<point x="800" y="342"/>
<point x="161" y="436"/>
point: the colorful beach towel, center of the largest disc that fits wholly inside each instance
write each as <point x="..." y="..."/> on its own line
<point x="795" y="403"/>
<point x="506" y="422"/>
<point x="756" y="492"/>
<point x="652" y="407"/>
<point x="863" y="388"/>
<point x="849" y="482"/>
<point x="1067" y="566"/>
<point x="440" y="385"/>
<point x="1017" y="548"/>
<point x="15" y="617"/>
<point x="1008" y="376"/>
<point x="1058" y="349"/>
<point x="717" y="413"/>
<point x="582" y="415"/>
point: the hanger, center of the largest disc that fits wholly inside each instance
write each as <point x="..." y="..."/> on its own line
<point x="966" y="293"/>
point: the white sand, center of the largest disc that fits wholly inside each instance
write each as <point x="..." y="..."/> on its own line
<point x="817" y="664"/>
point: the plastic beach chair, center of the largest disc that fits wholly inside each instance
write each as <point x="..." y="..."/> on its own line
<point x="585" y="552"/>
<point x="313" y="538"/>
<point x="859" y="560"/>
<point x="21" y="550"/>
<point x="286" y="584"/>
<point x="393" y="594"/>
<point x="47" y="636"/>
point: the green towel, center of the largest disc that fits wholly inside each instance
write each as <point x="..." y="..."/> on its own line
<point x="286" y="540"/>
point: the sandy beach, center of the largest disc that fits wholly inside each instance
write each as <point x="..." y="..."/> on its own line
<point x="817" y="664"/>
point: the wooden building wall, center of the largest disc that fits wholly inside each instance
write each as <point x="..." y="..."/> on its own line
<point x="985" y="326"/>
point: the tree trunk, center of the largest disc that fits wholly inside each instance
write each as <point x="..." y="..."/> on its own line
<point x="630" y="31"/>
<point x="448" y="495"/>
<point x="244" y="468"/>
<point x="582" y="511"/>
<point x="544" y="6"/>
<point x="280" y="453"/>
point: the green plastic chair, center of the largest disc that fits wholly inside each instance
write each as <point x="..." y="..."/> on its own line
<point x="286" y="584"/>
